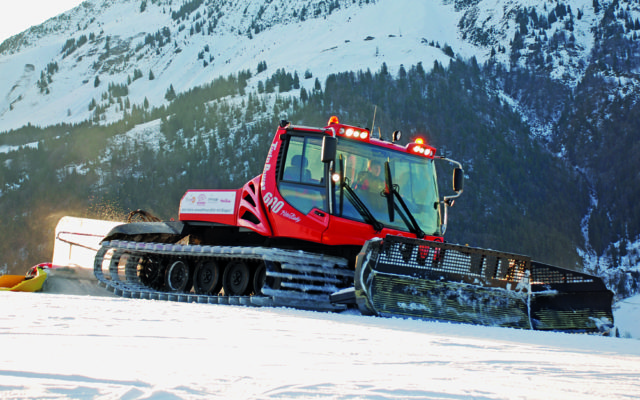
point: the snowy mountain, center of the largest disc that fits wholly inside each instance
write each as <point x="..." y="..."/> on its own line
<point x="54" y="68"/>
<point x="107" y="99"/>
<point x="188" y="44"/>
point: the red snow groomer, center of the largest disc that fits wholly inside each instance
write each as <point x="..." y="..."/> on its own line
<point x="338" y="219"/>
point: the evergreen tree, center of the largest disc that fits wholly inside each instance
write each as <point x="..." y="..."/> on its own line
<point x="170" y="94"/>
<point x="262" y="66"/>
<point x="42" y="83"/>
<point x="296" y="80"/>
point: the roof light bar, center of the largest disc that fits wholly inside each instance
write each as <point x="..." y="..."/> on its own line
<point x="418" y="147"/>
<point x="354" y="133"/>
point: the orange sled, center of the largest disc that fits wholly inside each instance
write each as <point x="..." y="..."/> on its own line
<point x="31" y="282"/>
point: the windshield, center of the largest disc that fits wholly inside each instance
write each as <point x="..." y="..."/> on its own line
<point x="413" y="176"/>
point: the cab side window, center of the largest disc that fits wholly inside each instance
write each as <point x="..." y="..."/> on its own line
<point x="302" y="183"/>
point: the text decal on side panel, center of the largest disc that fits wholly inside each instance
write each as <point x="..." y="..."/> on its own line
<point x="267" y="167"/>
<point x="276" y="205"/>
<point x="208" y="202"/>
<point x="272" y="202"/>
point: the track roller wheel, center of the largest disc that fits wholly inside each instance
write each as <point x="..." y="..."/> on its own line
<point x="151" y="273"/>
<point x="259" y="278"/>
<point x="178" y="277"/>
<point x="273" y="282"/>
<point x="206" y="278"/>
<point x="236" y="278"/>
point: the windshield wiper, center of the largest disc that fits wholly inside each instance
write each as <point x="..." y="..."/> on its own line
<point x="413" y="226"/>
<point x="362" y="209"/>
<point x="391" y="191"/>
<point x="355" y="200"/>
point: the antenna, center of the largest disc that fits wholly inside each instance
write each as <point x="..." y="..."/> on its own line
<point x="373" y="124"/>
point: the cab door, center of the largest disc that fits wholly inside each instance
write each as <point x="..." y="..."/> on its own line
<point x="299" y="207"/>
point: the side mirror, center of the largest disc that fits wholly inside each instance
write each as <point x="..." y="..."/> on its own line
<point x="329" y="149"/>
<point x="458" y="180"/>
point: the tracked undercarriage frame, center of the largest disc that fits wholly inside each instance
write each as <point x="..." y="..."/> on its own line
<point x="236" y="275"/>
<point x="394" y="277"/>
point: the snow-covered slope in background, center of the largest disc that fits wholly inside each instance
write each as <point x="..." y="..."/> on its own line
<point x="350" y="38"/>
<point x="493" y="23"/>
<point x="59" y="347"/>
<point x="314" y="36"/>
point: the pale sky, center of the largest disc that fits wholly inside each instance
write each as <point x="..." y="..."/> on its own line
<point x="17" y="16"/>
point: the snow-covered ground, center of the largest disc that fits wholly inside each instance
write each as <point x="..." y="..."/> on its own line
<point x="58" y="346"/>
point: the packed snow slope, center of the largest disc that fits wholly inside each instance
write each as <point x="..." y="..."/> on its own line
<point x="63" y="346"/>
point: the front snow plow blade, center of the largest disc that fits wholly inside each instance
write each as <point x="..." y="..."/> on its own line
<point x="415" y="278"/>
